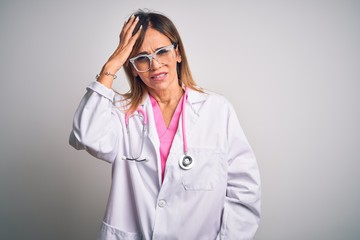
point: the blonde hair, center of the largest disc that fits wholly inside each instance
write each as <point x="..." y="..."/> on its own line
<point x="164" y="25"/>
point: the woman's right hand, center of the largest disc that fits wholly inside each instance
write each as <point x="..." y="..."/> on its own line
<point x="121" y="53"/>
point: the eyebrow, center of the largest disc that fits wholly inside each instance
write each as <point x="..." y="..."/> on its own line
<point x="145" y="52"/>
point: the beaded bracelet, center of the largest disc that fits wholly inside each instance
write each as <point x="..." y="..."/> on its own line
<point x="107" y="74"/>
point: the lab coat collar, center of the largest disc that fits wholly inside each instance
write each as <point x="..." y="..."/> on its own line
<point x="195" y="98"/>
<point x="195" y="101"/>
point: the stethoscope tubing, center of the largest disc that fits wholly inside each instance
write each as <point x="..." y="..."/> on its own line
<point x="186" y="162"/>
<point x="183" y="122"/>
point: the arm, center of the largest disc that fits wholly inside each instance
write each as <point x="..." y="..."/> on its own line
<point x="95" y="126"/>
<point x="241" y="214"/>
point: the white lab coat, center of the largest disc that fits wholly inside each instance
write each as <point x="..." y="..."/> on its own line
<point x="219" y="198"/>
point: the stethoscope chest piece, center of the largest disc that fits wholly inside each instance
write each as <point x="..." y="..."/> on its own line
<point x="186" y="162"/>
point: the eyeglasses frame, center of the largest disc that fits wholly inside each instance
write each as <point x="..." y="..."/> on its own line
<point x="151" y="56"/>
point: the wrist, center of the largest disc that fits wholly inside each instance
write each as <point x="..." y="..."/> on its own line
<point x="106" y="78"/>
<point x="110" y="68"/>
<point x="106" y="74"/>
<point x="107" y="81"/>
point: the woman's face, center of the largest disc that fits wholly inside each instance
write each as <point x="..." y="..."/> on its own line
<point x="162" y="75"/>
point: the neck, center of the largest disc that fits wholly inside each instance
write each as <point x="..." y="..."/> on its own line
<point x="167" y="97"/>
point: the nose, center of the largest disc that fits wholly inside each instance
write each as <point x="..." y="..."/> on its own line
<point x="155" y="64"/>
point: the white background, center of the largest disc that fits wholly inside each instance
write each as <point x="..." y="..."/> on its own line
<point x="291" y="69"/>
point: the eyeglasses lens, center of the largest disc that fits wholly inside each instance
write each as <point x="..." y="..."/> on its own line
<point x="162" y="56"/>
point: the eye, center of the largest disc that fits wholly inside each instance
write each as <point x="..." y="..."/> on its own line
<point x="142" y="59"/>
<point x="162" y="51"/>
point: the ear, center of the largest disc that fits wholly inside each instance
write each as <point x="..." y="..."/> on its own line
<point x="134" y="72"/>
<point x="178" y="56"/>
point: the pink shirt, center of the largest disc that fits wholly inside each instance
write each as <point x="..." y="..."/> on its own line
<point x="166" y="135"/>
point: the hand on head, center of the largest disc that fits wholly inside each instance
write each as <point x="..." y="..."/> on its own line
<point x="122" y="52"/>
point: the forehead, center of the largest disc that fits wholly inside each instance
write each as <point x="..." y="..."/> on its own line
<point x="153" y="39"/>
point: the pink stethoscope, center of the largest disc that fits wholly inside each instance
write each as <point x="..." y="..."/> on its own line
<point x="185" y="162"/>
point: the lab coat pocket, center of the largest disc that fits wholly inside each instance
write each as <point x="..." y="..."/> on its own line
<point x="108" y="232"/>
<point x="207" y="171"/>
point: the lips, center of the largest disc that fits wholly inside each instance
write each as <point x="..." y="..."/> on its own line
<point x="159" y="76"/>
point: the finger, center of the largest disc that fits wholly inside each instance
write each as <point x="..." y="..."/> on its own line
<point x="128" y="25"/>
<point x="128" y="33"/>
<point x="128" y="22"/>
<point x="122" y="29"/>
<point x="125" y="27"/>
<point x="135" y="37"/>
<point x="129" y="44"/>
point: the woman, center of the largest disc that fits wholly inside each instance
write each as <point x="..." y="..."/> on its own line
<point x="181" y="165"/>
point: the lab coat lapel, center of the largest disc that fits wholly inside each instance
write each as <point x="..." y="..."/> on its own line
<point x="153" y="136"/>
<point x="193" y="106"/>
<point x="195" y="101"/>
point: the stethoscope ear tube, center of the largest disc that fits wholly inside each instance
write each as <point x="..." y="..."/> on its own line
<point x="135" y="159"/>
<point x="143" y="118"/>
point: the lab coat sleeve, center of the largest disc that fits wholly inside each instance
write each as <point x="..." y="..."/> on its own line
<point x="95" y="125"/>
<point x="241" y="214"/>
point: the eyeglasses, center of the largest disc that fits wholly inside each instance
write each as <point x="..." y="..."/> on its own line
<point x="143" y="62"/>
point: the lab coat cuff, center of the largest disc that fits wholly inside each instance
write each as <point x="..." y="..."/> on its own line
<point x="102" y="90"/>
